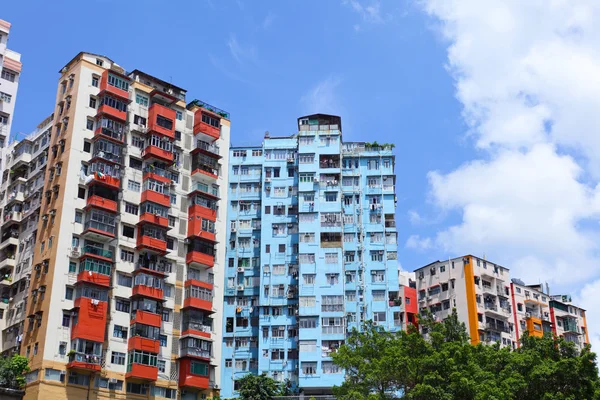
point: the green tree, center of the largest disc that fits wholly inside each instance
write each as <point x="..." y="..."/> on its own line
<point x="12" y="370"/>
<point x="443" y="365"/>
<point x="259" y="387"/>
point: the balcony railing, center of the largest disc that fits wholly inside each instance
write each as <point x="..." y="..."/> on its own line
<point x="211" y="148"/>
<point x="200" y="187"/>
<point x="154" y="266"/>
<point x="331" y="330"/>
<point x="490" y="306"/>
<point x="100" y="226"/>
<point x="158" y="171"/>
<point x="85" y="358"/>
<point x="197" y="326"/>
<point x="208" y="107"/>
<point x="194" y="351"/>
<point x="97" y="252"/>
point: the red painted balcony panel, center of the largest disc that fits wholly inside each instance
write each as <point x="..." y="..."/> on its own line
<point x="194" y="282"/>
<point x="114" y="183"/>
<point x="155" y="197"/>
<point x="153" y="244"/>
<point x="411" y="293"/>
<point x="195" y="229"/>
<point x="203" y="127"/>
<point x="94" y="277"/>
<point x="148" y="291"/>
<point x="156" y="177"/>
<point x="105" y="87"/>
<point x="197" y="211"/>
<point x="196" y="257"/>
<point x="194" y="302"/>
<point x="193" y="332"/>
<point x="143" y="344"/>
<point x="142" y="371"/>
<point x="156" y="110"/>
<point x="112" y="112"/>
<point x="187" y="379"/>
<point x="158" y="153"/>
<point x="90" y="317"/>
<point x="150" y="218"/>
<point x="101" y="202"/>
<point x="146" y="318"/>
<point x="205" y="173"/>
<point x="86" y="366"/>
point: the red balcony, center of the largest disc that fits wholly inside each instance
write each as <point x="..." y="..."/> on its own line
<point x="84" y="362"/>
<point x="204" y="172"/>
<point x="112" y="182"/>
<point x="106" y="88"/>
<point x="156" y="177"/>
<point x="98" y="231"/>
<point x="94" y="277"/>
<point x="200" y="304"/>
<point x="142" y="371"/>
<point x="146" y="318"/>
<point x="147" y="291"/>
<point x="101" y="202"/>
<point x="187" y="379"/>
<point x="143" y="344"/>
<point x="157" y="153"/>
<point x="149" y="218"/>
<point x="197" y="211"/>
<point x="195" y="282"/>
<point x="155" y="197"/>
<point x="90" y="318"/>
<point x="195" y="230"/>
<point x="152" y="244"/>
<point x="111" y="112"/>
<point x="156" y="110"/>
<point x="202" y="127"/>
<point x="196" y="257"/>
<point x="162" y="97"/>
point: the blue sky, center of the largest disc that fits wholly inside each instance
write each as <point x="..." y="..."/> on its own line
<point x="493" y="106"/>
<point x="268" y="63"/>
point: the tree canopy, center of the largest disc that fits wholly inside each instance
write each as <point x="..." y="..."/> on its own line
<point x="445" y="366"/>
<point x="12" y="370"/>
<point x="261" y="387"/>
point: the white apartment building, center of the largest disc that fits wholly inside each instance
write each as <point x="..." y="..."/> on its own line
<point x="10" y="72"/>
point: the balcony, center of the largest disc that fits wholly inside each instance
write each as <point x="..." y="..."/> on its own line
<point x="94" y="278"/>
<point x="101" y="202"/>
<point x="157" y="153"/>
<point x="207" y="123"/>
<point x="146" y="318"/>
<point x="198" y="303"/>
<point x="86" y="362"/>
<point x="8" y="262"/>
<point x="161" y="120"/>
<point x="197" y="328"/>
<point x="13" y="217"/>
<point x="194" y="380"/>
<point x="156" y="197"/>
<point x="197" y="258"/>
<point x="110" y="181"/>
<point x="158" y="174"/>
<point x="91" y="315"/>
<point x="106" y="87"/>
<point x="497" y="327"/>
<point x="106" y="110"/>
<point x="152" y="267"/>
<point x="141" y="371"/>
<point x="149" y="218"/>
<point x="95" y="252"/>
<point x="151" y="244"/>
<point x="143" y="344"/>
<point x="208" y="149"/>
<point x="195" y="352"/>
<point x="197" y="212"/>
<point x="99" y="231"/>
<point x="147" y="291"/>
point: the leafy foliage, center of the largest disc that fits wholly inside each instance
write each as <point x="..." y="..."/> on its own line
<point x="261" y="387"/>
<point x="445" y="366"/>
<point x="12" y="371"/>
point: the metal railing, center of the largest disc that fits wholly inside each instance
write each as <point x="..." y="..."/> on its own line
<point x="208" y="107"/>
<point x="97" y="251"/>
<point x="208" y="147"/>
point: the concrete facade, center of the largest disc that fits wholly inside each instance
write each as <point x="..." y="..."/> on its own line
<point x="10" y="74"/>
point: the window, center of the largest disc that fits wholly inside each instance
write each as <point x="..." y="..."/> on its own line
<point x="307" y="301"/>
<point x="282" y="248"/>
<point x="92" y="102"/>
<point x="178" y="115"/>
<point x="133" y="186"/>
<point x="239" y="153"/>
<point x="95" y="81"/>
<point x="131" y="208"/>
<point x="54" y="375"/>
<point x="69" y="293"/>
<point x="81" y="193"/>
<point x="377" y="276"/>
<point x="378" y="295"/>
<point x="135" y="163"/>
<point x="350" y="296"/>
<point x="99" y="62"/>
<point x="141" y="100"/>
<point x="198" y="368"/>
<point x="137" y="388"/>
<point x="72" y="266"/>
<point x="122" y="305"/>
<point x="127" y="256"/>
<point x="105" y="383"/>
<point x="163" y="340"/>
<point x="309" y="279"/>
<point x="117" y="358"/>
<point x="332" y="303"/>
<point x="137" y="141"/>
<point x="138" y="120"/>
<point x="66" y="320"/>
<point x="309" y="368"/>
<point x="166" y="315"/>
<point x="87" y="146"/>
<point x="90" y="124"/>
<point x="120" y="332"/>
<point x="128" y="231"/>
<point x="78" y="217"/>
<point x="8" y="75"/>
<point x="78" y="379"/>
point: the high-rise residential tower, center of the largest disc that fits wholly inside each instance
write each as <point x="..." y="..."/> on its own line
<point x="10" y="73"/>
<point x="311" y="253"/>
<point x="122" y="298"/>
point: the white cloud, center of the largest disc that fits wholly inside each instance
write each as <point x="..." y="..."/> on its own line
<point x="323" y="97"/>
<point x="587" y="299"/>
<point x="239" y="53"/>
<point x="528" y="76"/>
<point x="268" y="21"/>
<point x="414" y="217"/>
<point x="415" y="242"/>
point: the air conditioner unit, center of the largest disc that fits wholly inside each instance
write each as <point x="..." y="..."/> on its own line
<point x="527" y="315"/>
<point x="268" y="188"/>
<point x="75" y="251"/>
<point x="233" y="229"/>
<point x="373" y="272"/>
<point x="186" y="241"/>
<point x="267" y="180"/>
<point x="240" y="287"/>
<point x="240" y="269"/>
<point x="112" y="380"/>
<point x="38" y="267"/>
<point x="45" y="217"/>
<point x="316" y="180"/>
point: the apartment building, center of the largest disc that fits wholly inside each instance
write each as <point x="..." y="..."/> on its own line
<point x="311" y="254"/>
<point x="494" y="307"/>
<point x="122" y="301"/>
<point x="21" y="194"/>
<point x="407" y="299"/>
<point x="10" y="73"/>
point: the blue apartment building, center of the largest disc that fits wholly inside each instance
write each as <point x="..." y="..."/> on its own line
<point x="311" y="254"/>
